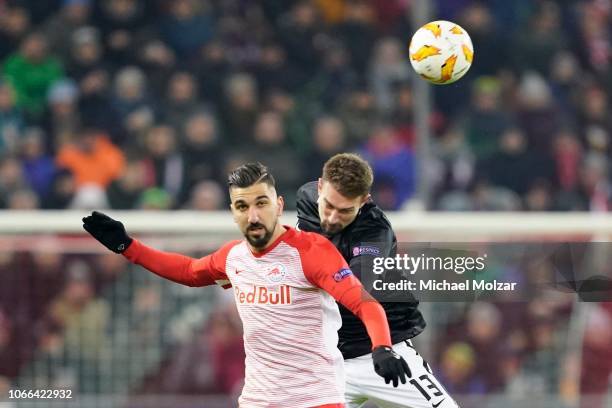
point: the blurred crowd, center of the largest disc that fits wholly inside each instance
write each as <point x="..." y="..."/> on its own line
<point x="146" y="104"/>
<point x="53" y="307"/>
<point x="134" y="104"/>
<point x="522" y="349"/>
<point x="91" y="324"/>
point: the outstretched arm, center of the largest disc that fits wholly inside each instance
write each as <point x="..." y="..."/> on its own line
<point x="175" y="267"/>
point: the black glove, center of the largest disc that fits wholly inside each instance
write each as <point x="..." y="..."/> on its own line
<point x="390" y="365"/>
<point x="111" y="233"/>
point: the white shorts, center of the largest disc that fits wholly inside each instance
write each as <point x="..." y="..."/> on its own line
<point x="422" y="390"/>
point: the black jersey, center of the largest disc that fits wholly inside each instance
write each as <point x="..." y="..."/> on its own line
<point x="370" y="226"/>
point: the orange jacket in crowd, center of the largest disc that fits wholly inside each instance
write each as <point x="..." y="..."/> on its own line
<point x="96" y="161"/>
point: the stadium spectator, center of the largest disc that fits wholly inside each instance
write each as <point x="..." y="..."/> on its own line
<point x="329" y="138"/>
<point x="84" y="318"/>
<point x="46" y="275"/>
<point x="108" y="269"/>
<point x="388" y="68"/>
<point x="594" y="111"/>
<point x="62" y="119"/>
<point x="211" y="66"/>
<point x="11" y="297"/>
<point x="226" y="348"/>
<point x="567" y="154"/>
<point x="486" y="35"/>
<point x="165" y="166"/>
<point x="62" y="191"/>
<point x="23" y="199"/>
<point x="122" y="23"/>
<point x="239" y="107"/>
<point x="485" y="196"/>
<point x="11" y="178"/>
<point x="146" y="307"/>
<point x="92" y="158"/>
<point x="270" y="140"/>
<point x="297" y="114"/>
<point x="190" y="370"/>
<point x="591" y="190"/>
<point x="15" y="24"/>
<point x="514" y="166"/>
<point x="451" y="170"/>
<point x="483" y="324"/>
<point x="124" y="193"/>
<point x="181" y="99"/>
<point x="336" y="77"/>
<point x="134" y="105"/>
<point x="59" y="29"/>
<point x="11" y="120"/>
<point x="358" y="32"/>
<point x="402" y="116"/>
<point x="537" y="113"/>
<point x="534" y="48"/>
<point x="201" y="145"/>
<point x="9" y="359"/>
<point x="92" y="73"/>
<point x="394" y="165"/>
<point x="86" y="57"/>
<point x="187" y="27"/>
<point x="565" y="77"/>
<point x="597" y="356"/>
<point x="298" y="31"/>
<point x="539" y="197"/>
<point x="273" y="70"/>
<point x="207" y="196"/>
<point x="456" y="370"/>
<point x="485" y="120"/>
<point x="359" y="113"/>
<point x="31" y="71"/>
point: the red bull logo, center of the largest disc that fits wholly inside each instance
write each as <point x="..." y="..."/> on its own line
<point x="276" y="274"/>
<point x="261" y="295"/>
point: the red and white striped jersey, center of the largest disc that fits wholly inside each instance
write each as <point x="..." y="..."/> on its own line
<point x="286" y="297"/>
<point x="290" y="324"/>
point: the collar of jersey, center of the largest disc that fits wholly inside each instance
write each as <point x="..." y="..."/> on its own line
<point x="289" y="232"/>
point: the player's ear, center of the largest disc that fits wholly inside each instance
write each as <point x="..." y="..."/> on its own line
<point x="365" y="199"/>
<point x="319" y="185"/>
<point x="280" y="204"/>
<point x="234" y="213"/>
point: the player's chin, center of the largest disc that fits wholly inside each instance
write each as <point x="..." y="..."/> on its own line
<point x="331" y="228"/>
<point x="258" y="238"/>
<point x="258" y="242"/>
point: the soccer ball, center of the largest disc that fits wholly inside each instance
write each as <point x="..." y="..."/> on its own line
<point x="441" y="52"/>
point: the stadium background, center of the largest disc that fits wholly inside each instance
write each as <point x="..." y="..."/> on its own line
<point x="144" y="105"/>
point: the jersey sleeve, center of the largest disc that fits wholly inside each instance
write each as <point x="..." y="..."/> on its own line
<point x="325" y="268"/>
<point x="182" y="269"/>
<point x="372" y="243"/>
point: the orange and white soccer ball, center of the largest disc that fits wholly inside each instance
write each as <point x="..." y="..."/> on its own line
<point x="441" y="52"/>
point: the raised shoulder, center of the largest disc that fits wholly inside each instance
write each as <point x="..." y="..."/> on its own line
<point x="308" y="241"/>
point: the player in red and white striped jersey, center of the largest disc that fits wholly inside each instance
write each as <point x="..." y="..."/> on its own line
<point x="286" y="284"/>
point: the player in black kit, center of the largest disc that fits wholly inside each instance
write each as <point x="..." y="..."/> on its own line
<point x="340" y="207"/>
